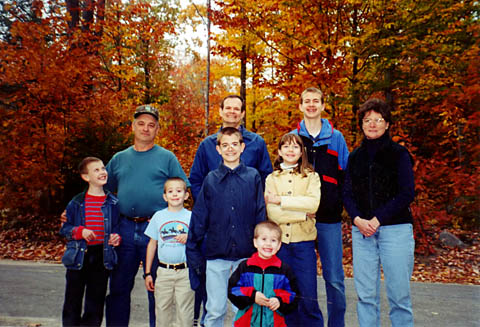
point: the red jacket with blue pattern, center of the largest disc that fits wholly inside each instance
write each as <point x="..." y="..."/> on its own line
<point x="273" y="278"/>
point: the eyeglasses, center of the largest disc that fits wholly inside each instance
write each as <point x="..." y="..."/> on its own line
<point x="232" y="145"/>
<point x="367" y="121"/>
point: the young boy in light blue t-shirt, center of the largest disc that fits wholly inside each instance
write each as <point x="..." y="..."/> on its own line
<point x="168" y="230"/>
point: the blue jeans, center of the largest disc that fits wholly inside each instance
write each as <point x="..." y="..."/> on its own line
<point x="90" y="281"/>
<point x="200" y="297"/>
<point x="330" y="250"/>
<point x="301" y="257"/>
<point x="218" y="273"/>
<point x="131" y="252"/>
<point x="392" y="247"/>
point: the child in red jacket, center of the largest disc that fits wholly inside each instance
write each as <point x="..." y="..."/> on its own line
<point x="263" y="288"/>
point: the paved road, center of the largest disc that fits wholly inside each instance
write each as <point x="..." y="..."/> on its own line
<point x="31" y="294"/>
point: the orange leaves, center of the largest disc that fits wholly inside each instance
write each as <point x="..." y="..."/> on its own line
<point x="37" y="240"/>
<point x="66" y="93"/>
<point x="451" y="265"/>
<point x="136" y="52"/>
<point x="446" y="265"/>
<point x="23" y="250"/>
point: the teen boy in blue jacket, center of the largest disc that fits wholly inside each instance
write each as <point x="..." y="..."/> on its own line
<point x="91" y="226"/>
<point x="328" y="154"/>
<point x="226" y="211"/>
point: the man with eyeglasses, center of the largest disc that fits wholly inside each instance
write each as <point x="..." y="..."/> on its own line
<point x="328" y="154"/>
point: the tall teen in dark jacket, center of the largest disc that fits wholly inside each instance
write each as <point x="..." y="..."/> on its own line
<point x="327" y="152"/>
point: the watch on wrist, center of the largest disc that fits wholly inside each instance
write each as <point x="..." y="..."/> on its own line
<point x="147" y="274"/>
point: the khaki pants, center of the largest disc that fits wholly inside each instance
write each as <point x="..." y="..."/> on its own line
<point x="172" y="288"/>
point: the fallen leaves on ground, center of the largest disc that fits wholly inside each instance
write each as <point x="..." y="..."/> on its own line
<point x="448" y="265"/>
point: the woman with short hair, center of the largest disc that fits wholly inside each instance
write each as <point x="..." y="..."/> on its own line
<point x="379" y="187"/>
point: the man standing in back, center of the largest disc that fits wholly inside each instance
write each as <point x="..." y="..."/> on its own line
<point x="207" y="158"/>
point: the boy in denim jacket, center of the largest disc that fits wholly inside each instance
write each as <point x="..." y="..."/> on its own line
<point x="90" y="229"/>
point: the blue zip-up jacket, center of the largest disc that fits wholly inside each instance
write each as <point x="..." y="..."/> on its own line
<point x="229" y="206"/>
<point x="75" y="252"/>
<point x="207" y="158"/>
<point x="328" y="154"/>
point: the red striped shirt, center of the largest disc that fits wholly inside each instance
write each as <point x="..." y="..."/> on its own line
<point x="94" y="217"/>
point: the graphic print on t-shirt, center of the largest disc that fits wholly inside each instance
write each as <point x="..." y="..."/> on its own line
<point x="171" y="229"/>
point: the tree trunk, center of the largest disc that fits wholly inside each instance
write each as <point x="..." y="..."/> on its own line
<point x="254" y="102"/>
<point x="243" y="80"/>
<point x="73" y="9"/>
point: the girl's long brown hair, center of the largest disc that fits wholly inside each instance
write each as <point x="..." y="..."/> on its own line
<point x="304" y="166"/>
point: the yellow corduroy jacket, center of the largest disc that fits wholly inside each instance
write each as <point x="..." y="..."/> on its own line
<point x="299" y="196"/>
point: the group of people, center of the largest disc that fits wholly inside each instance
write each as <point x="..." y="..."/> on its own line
<point x="254" y="230"/>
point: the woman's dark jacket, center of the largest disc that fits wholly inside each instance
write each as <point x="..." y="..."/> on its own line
<point x="379" y="182"/>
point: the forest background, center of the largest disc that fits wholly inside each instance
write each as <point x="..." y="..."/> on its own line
<point x="72" y="72"/>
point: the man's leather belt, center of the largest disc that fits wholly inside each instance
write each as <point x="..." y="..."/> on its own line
<point x="137" y="219"/>
<point x="174" y="267"/>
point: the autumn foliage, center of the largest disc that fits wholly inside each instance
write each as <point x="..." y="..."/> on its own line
<point x="421" y="57"/>
<point x="71" y="76"/>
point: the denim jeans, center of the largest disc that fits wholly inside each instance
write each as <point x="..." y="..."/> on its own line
<point x="301" y="257"/>
<point x="218" y="273"/>
<point x="131" y="252"/>
<point x="392" y="247"/>
<point x="200" y="297"/>
<point x="92" y="281"/>
<point x="330" y="250"/>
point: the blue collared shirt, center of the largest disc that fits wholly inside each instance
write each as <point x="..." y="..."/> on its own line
<point x="228" y="207"/>
<point x="207" y="158"/>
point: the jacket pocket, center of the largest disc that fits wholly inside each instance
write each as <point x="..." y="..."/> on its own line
<point x="110" y="257"/>
<point x="72" y="258"/>
<point x="308" y="227"/>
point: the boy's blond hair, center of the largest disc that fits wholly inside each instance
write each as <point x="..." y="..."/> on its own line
<point x="174" y="179"/>
<point x="312" y="90"/>
<point x="270" y="225"/>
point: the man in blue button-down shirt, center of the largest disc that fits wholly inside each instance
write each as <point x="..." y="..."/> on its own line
<point x="207" y="158"/>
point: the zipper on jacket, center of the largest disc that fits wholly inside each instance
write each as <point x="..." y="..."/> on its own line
<point x="263" y="292"/>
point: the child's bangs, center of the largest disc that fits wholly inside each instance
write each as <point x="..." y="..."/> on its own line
<point x="288" y="139"/>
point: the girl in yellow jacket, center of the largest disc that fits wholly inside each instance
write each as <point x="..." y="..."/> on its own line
<point x="292" y="196"/>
